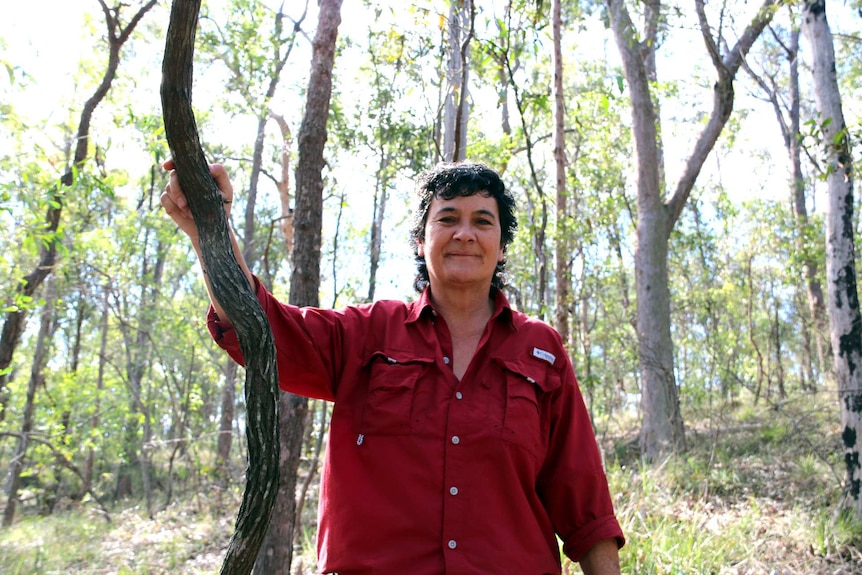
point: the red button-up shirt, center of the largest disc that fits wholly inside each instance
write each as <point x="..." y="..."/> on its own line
<point x="426" y="474"/>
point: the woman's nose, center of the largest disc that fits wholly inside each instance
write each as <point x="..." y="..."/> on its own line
<point x="464" y="232"/>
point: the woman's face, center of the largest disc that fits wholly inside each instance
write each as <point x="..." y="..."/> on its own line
<point x="462" y="242"/>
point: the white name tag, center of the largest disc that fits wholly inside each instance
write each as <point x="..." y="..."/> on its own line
<point x="546" y="355"/>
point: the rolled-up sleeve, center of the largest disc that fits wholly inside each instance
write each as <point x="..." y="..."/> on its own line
<point x="572" y="484"/>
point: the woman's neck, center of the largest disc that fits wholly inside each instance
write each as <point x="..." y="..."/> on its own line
<point x="467" y="310"/>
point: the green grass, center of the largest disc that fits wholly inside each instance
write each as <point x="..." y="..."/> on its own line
<point x="758" y="498"/>
<point x="178" y="540"/>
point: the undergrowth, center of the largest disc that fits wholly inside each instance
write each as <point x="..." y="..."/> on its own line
<point x="756" y="492"/>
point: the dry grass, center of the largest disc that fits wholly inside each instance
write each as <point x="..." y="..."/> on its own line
<point x="756" y="493"/>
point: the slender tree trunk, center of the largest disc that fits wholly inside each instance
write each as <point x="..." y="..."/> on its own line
<point x="37" y="379"/>
<point x="277" y="61"/>
<point x="816" y="301"/>
<point x="381" y="196"/>
<point x="817" y="327"/>
<point x="562" y="267"/>
<point x="283" y="185"/>
<point x="276" y="554"/>
<point x="230" y="288"/>
<point x="456" y="112"/>
<point x="846" y="321"/>
<point x="100" y="385"/>
<point x="225" y="430"/>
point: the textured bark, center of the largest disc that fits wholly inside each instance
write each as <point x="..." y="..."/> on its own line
<point x="230" y="287"/>
<point x="846" y="322"/>
<point x="277" y="553"/>
<point x="562" y="267"/>
<point x="225" y="428"/>
<point x="13" y="325"/>
<point x="662" y="430"/>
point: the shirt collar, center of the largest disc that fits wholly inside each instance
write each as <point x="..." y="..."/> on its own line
<point x="423" y="306"/>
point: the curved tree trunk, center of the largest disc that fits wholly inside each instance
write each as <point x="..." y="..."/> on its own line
<point x="230" y="288"/>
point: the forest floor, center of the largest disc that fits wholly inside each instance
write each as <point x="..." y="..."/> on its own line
<point x="756" y="493"/>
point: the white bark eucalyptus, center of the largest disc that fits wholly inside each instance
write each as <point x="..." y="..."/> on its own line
<point x="662" y="430"/>
<point x="462" y="14"/>
<point x="845" y="320"/>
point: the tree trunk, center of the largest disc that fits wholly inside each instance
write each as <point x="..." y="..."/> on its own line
<point x="230" y="288"/>
<point x="225" y="429"/>
<point x="846" y="322"/>
<point x="814" y="290"/>
<point x="37" y="379"/>
<point x="562" y="267"/>
<point x="817" y="327"/>
<point x="456" y="112"/>
<point x="276" y="554"/>
<point x="381" y="195"/>
<point x="100" y="385"/>
<point x="285" y="222"/>
<point x="662" y="430"/>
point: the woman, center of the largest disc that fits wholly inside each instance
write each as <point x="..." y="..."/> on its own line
<point x="459" y="441"/>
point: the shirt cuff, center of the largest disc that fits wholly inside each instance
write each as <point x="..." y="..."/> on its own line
<point x="577" y="545"/>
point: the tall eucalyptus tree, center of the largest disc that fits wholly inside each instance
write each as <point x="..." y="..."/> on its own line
<point x="456" y="100"/>
<point x="562" y="267"/>
<point x="786" y="103"/>
<point x="662" y="429"/>
<point x="845" y="317"/>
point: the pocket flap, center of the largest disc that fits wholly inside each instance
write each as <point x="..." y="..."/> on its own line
<point x="533" y="371"/>
<point x="394" y="368"/>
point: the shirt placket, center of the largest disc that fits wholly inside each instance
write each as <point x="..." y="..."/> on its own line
<point x="458" y="451"/>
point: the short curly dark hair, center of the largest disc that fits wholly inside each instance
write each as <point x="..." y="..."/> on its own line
<point x="448" y="180"/>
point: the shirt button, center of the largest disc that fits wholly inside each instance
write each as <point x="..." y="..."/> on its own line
<point x="458" y="395"/>
<point x="452" y="544"/>
<point x="446" y="360"/>
<point x="456" y="440"/>
<point x="453" y="491"/>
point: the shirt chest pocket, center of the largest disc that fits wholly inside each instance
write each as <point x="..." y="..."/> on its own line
<point x="528" y="393"/>
<point x="392" y="382"/>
